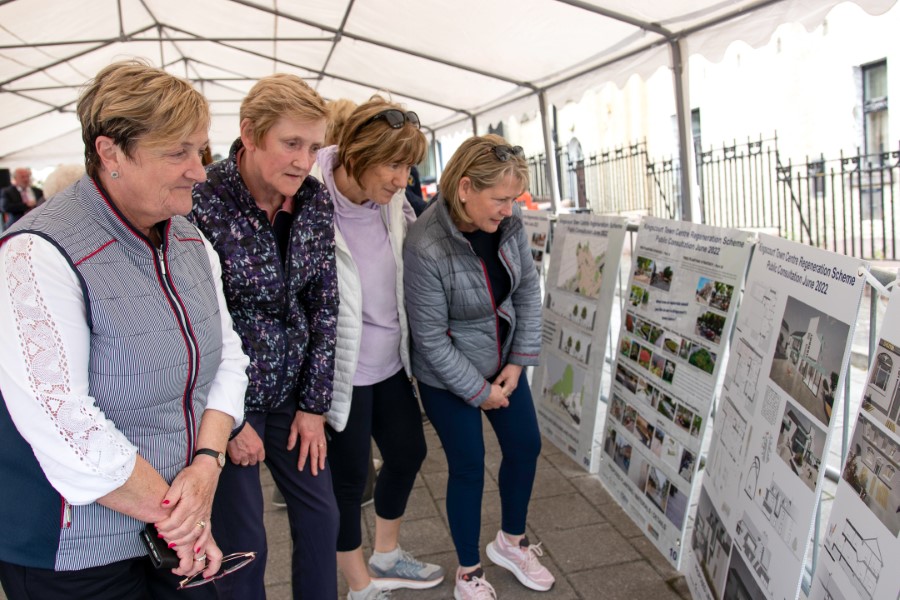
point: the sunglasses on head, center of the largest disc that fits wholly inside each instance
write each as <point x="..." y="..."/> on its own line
<point x="394" y="117"/>
<point x="504" y="153"/>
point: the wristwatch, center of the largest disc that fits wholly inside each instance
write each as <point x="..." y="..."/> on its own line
<point x="219" y="456"/>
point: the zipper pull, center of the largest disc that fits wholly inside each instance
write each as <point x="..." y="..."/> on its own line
<point x="67" y="514"/>
<point x="162" y="261"/>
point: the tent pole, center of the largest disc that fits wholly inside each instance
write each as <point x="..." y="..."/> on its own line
<point x="683" y="116"/>
<point x="549" y="152"/>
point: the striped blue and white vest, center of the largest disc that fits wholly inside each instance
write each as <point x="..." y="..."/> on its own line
<point x="155" y="347"/>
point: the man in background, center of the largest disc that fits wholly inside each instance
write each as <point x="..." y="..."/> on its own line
<point x="20" y="197"/>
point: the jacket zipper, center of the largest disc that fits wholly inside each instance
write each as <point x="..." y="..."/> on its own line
<point x="490" y="288"/>
<point x="66" y="514"/>
<point x="192" y="350"/>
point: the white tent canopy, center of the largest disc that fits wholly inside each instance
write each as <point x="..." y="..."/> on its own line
<point x="452" y="61"/>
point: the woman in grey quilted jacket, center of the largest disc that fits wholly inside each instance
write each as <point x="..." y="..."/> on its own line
<point x="473" y="303"/>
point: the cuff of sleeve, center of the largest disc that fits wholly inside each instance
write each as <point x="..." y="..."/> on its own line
<point x="237" y="430"/>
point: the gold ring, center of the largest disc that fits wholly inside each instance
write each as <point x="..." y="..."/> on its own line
<point x="201" y="559"/>
<point x="201" y="524"/>
<point x="321" y="444"/>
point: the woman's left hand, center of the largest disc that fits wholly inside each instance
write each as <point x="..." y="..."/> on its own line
<point x="508" y="379"/>
<point x="191" y="497"/>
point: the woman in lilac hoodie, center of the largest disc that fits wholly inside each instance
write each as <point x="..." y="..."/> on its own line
<point x="366" y="174"/>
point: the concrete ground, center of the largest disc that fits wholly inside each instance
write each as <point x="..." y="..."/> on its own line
<point x="590" y="545"/>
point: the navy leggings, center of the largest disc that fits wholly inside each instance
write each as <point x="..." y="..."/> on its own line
<point x="459" y="427"/>
<point x="389" y="412"/>
<point x="237" y="516"/>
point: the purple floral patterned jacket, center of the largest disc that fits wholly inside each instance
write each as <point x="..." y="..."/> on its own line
<point x="286" y="314"/>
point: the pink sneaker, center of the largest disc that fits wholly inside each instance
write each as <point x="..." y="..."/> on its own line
<point x="522" y="561"/>
<point x="473" y="586"/>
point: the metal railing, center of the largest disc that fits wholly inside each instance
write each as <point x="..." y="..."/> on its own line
<point x="846" y="205"/>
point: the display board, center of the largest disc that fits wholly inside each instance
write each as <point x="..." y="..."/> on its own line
<point x="783" y="381"/>
<point x="682" y="293"/>
<point x="537" y="229"/>
<point x="580" y="288"/>
<point x="860" y="548"/>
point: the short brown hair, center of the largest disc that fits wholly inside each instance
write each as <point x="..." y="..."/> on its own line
<point x="130" y="101"/>
<point x="338" y="113"/>
<point x="475" y="159"/>
<point x="280" y="95"/>
<point x="363" y="145"/>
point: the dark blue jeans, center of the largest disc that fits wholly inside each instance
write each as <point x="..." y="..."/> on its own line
<point x="389" y="412"/>
<point x="237" y="516"/>
<point x="459" y="427"/>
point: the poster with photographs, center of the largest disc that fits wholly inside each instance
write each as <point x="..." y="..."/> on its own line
<point x="782" y="383"/>
<point x="580" y="287"/>
<point x="858" y="556"/>
<point x="680" y="303"/>
<point x="537" y="229"/>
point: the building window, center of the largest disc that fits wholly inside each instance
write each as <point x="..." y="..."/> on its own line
<point x="875" y="108"/>
<point x="882" y="371"/>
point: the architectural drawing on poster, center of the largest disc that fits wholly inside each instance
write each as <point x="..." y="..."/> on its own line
<point x="800" y="445"/>
<point x="711" y="545"/>
<point x="858" y="555"/>
<point x="882" y="398"/>
<point x="575" y="344"/>
<point x="757" y="316"/>
<point x="755" y="548"/>
<point x="777" y="507"/>
<point x="575" y="310"/>
<point x="581" y="270"/>
<point x="808" y="361"/>
<point x="873" y="471"/>
<point x="731" y="434"/>
<point x="742" y="374"/>
<point x="563" y="388"/>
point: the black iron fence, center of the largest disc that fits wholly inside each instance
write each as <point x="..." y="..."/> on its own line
<point x="846" y="205"/>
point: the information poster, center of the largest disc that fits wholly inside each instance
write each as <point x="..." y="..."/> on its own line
<point x="681" y="300"/>
<point x="782" y="384"/>
<point x="860" y="548"/>
<point x="537" y="228"/>
<point x="580" y="288"/>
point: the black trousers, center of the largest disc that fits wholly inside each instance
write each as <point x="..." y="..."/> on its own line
<point x="389" y="412"/>
<point x="133" y="579"/>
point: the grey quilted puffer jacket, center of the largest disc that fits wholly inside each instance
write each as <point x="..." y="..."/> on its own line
<point x="452" y="317"/>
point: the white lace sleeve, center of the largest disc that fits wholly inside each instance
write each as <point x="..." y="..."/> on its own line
<point x="230" y="384"/>
<point x="44" y="370"/>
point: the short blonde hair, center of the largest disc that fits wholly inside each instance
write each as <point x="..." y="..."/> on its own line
<point x="338" y="113"/>
<point x="130" y="101"/>
<point x="476" y="160"/>
<point x="363" y="145"/>
<point x="62" y="177"/>
<point x="280" y="95"/>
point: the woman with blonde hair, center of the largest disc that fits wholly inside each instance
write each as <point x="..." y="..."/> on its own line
<point x="120" y="374"/>
<point x="474" y="306"/>
<point x="273" y="229"/>
<point x="366" y="174"/>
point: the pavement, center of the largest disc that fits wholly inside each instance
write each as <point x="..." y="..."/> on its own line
<point x="590" y="545"/>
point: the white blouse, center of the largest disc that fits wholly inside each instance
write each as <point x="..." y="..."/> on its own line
<point x="44" y="360"/>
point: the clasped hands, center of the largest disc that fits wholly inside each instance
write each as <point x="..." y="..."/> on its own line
<point x="503" y="387"/>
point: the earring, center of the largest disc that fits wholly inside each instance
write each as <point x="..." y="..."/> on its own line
<point x="114" y="174"/>
<point x="463" y="200"/>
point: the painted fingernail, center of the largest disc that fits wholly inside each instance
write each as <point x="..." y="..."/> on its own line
<point x="197" y="550"/>
<point x="171" y="544"/>
<point x="159" y="535"/>
<point x="165" y="502"/>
